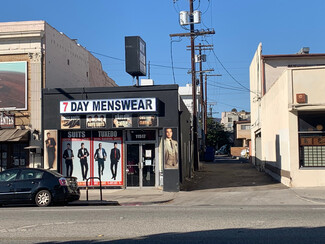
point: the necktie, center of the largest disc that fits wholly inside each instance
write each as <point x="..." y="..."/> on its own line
<point x="171" y="144"/>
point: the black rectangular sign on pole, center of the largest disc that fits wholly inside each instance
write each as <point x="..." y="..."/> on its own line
<point x="135" y="56"/>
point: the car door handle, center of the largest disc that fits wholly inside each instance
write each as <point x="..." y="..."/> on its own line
<point x="9" y="184"/>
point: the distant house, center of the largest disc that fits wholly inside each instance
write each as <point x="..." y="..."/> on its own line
<point x="242" y="131"/>
<point x="228" y="119"/>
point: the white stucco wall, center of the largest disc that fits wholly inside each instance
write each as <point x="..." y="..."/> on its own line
<point x="275" y="129"/>
<point x="255" y="87"/>
<point x="310" y="81"/>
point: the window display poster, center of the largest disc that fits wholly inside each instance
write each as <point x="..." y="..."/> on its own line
<point x="170" y="148"/>
<point x="147" y="120"/>
<point x="96" y="121"/>
<point x="108" y="161"/>
<point x="97" y="157"/>
<point x="70" y="122"/>
<point x="50" y="149"/>
<point x="75" y="158"/>
<point x="122" y="121"/>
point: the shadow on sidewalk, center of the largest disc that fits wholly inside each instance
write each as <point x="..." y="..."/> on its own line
<point x="225" y="173"/>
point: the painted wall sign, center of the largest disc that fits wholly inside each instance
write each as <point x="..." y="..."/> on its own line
<point x="7" y="121"/>
<point x="108" y="106"/>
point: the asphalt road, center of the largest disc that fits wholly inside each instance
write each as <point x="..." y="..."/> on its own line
<point x="163" y="224"/>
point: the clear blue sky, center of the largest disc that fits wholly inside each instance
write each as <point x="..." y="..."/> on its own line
<point x="283" y="26"/>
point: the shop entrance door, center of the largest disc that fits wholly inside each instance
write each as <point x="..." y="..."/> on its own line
<point x="140" y="168"/>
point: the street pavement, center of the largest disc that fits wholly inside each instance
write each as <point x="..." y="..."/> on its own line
<point x="225" y="181"/>
<point x="227" y="201"/>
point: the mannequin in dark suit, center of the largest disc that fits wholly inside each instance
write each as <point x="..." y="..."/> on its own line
<point x="115" y="157"/>
<point x="100" y="157"/>
<point x="83" y="154"/>
<point x="68" y="156"/>
<point x="50" y="146"/>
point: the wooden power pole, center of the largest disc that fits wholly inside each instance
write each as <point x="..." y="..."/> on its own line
<point x="192" y="35"/>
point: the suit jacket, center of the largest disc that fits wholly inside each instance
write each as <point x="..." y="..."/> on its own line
<point x="66" y="154"/>
<point x="96" y="156"/>
<point x="171" y="153"/>
<point x="118" y="155"/>
<point x="50" y="144"/>
<point x="80" y="154"/>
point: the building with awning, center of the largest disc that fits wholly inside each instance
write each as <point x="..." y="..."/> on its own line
<point x="33" y="56"/>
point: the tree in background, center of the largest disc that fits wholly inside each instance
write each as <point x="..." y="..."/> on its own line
<point x="216" y="135"/>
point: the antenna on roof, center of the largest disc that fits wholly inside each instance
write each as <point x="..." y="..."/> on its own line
<point x="304" y="50"/>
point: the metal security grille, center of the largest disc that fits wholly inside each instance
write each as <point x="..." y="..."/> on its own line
<point x="312" y="156"/>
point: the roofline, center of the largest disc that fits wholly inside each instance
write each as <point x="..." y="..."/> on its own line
<point x="242" y="122"/>
<point x="293" y="55"/>
<point x="111" y="89"/>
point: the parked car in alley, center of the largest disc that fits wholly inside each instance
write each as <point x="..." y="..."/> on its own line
<point x="224" y="150"/>
<point x="39" y="186"/>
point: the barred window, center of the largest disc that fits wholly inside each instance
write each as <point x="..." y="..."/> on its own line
<point x="312" y="139"/>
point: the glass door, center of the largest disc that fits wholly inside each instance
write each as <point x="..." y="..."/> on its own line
<point x="148" y="164"/>
<point x="140" y="168"/>
<point x="133" y="165"/>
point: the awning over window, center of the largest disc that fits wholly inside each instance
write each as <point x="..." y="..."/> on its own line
<point x="12" y="135"/>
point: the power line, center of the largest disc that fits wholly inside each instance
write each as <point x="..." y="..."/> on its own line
<point x="230" y="105"/>
<point x="227" y="88"/>
<point x="229" y="72"/>
<point x="207" y="8"/>
<point x="106" y="56"/>
<point x="157" y="65"/>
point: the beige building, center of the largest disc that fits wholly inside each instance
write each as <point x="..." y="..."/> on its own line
<point x="46" y="59"/>
<point x="288" y="117"/>
<point x="242" y="133"/>
<point x="229" y="118"/>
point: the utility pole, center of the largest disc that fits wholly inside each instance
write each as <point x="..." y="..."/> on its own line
<point x="195" y="137"/>
<point x="192" y="35"/>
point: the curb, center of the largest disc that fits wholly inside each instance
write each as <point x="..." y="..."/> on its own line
<point x="145" y="203"/>
<point x="94" y="203"/>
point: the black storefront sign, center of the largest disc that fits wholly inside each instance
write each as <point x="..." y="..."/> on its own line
<point x="142" y="135"/>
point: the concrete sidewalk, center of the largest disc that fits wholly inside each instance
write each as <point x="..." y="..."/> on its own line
<point x="228" y="181"/>
<point x="225" y="181"/>
<point x="125" y="197"/>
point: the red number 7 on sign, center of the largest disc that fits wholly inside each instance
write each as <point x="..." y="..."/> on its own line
<point x="65" y="106"/>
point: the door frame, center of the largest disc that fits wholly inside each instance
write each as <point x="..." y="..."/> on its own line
<point x="140" y="144"/>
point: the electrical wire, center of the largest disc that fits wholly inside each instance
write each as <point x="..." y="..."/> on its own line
<point x="227" y="88"/>
<point x="232" y="75"/>
<point x="230" y="105"/>
<point x="157" y="65"/>
<point x="104" y="55"/>
<point x="207" y="7"/>
<point x="199" y="5"/>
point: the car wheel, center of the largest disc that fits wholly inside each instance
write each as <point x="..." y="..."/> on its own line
<point x="43" y="198"/>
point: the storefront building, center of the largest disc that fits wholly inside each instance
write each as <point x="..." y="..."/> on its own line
<point x="287" y="108"/>
<point x="126" y="136"/>
<point x="34" y="55"/>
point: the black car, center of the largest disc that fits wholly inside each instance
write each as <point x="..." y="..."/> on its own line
<point x="40" y="186"/>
